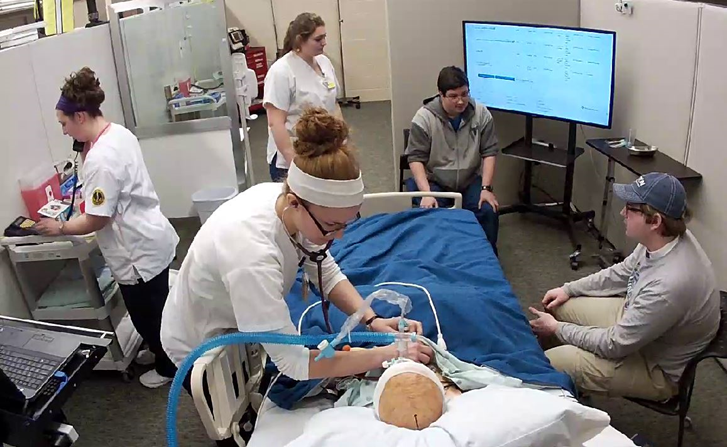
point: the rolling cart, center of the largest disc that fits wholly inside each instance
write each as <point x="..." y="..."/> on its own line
<point x="64" y="280"/>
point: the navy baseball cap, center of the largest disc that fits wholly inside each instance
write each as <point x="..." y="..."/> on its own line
<point x="660" y="191"/>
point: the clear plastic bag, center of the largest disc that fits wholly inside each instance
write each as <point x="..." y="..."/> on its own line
<point x="395" y="298"/>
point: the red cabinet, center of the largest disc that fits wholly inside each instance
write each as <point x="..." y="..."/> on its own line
<point x="258" y="62"/>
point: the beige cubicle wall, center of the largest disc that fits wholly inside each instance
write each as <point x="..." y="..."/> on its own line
<point x="707" y="151"/>
<point x="426" y="35"/>
<point x="670" y="87"/>
<point x="654" y="86"/>
<point x="363" y="37"/>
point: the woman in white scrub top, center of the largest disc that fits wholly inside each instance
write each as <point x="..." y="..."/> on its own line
<point x="303" y="77"/>
<point x="245" y="258"/>
<point x="122" y="208"/>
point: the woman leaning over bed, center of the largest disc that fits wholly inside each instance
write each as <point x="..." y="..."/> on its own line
<point x="245" y="258"/>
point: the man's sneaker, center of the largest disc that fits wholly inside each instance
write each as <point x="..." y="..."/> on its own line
<point x="145" y="357"/>
<point x="152" y="379"/>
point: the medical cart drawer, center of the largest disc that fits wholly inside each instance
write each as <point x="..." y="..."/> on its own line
<point x="34" y="248"/>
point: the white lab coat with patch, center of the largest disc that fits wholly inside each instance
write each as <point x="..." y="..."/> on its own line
<point x="292" y="85"/>
<point x="139" y="242"/>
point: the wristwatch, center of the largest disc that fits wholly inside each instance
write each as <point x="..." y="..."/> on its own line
<point x="371" y="320"/>
<point x="487" y="188"/>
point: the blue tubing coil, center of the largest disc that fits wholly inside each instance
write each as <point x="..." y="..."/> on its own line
<point x="379" y="338"/>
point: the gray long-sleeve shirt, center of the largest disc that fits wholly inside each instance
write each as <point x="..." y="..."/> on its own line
<point x="671" y="311"/>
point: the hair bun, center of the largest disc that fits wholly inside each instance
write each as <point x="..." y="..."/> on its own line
<point x="85" y="79"/>
<point x="319" y="133"/>
<point x="84" y="88"/>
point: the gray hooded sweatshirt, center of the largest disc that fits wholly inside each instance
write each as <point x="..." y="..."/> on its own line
<point x="452" y="158"/>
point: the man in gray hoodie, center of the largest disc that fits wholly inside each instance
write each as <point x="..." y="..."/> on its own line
<point x="637" y="346"/>
<point x="452" y="141"/>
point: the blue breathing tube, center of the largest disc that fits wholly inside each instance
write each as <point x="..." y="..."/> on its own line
<point x="379" y="338"/>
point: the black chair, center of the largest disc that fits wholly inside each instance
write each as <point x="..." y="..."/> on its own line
<point x="679" y="404"/>
<point x="403" y="162"/>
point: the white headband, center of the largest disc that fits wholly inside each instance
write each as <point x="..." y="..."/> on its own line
<point x="323" y="192"/>
<point x="404" y="367"/>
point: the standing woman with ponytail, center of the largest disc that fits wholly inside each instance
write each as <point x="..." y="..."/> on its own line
<point x="122" y="208"/>
<point x="303" y="77"/>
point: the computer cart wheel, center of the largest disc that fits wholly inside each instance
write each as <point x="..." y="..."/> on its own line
<point x="128" y="375"/>
<point x="574" y="263"/>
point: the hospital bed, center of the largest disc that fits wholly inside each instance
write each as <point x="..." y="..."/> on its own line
<point x="277" y="426"/>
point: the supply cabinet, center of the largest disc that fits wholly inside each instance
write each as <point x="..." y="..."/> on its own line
<point x="258" y="62"/>
<point x="65" y="280"/>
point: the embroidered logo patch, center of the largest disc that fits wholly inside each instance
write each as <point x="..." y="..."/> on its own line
<point x="98" y="198"/>
<point x="633" y="279"/>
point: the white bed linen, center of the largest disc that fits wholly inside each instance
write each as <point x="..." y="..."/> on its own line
<point x="277" y="427"/>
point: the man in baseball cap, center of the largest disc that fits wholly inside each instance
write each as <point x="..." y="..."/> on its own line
<point x="631" y="329"/>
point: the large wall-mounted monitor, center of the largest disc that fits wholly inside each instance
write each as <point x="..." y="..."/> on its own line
<point x="553" y="72"/>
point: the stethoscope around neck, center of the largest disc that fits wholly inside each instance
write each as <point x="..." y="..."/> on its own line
<point x="318" y="257"/>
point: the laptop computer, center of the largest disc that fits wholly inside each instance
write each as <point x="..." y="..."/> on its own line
<point x="30" y="357"/>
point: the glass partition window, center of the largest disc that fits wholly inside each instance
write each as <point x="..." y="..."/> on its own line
<point x="172" y="57"/>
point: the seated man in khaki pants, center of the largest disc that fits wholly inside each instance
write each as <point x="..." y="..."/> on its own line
<point x="637" y="346"/>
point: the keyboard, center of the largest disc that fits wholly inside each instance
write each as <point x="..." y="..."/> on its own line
<point x="26" y="369"/>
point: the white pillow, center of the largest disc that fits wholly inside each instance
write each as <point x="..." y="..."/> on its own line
<point x="495" y="416"/>
<point x="499" y="416"/>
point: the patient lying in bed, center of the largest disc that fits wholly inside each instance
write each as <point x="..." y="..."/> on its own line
<point x="447" y="375"/>
<point x="449" y="403"/>
<point x="413" y="409"/>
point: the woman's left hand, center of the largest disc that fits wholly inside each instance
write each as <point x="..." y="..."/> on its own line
<point x="392" y="325"/>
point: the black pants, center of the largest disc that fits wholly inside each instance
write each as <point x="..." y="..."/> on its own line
<point x="145" y="303"/>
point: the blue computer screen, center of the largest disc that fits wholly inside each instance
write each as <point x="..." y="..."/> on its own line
<point x="553" y="72"/>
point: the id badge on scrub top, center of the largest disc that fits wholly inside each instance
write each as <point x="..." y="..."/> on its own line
<point x="329" y="84"/>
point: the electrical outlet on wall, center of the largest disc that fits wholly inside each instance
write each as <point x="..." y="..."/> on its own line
<point x="624" y="7"/>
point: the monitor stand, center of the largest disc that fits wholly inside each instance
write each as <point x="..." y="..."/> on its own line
<point x="537" y="153"/>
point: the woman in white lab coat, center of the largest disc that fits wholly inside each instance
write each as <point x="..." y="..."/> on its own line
<point x="303" y="77"/>
<point x="245" y="258"/>
<point x="122" y="208"/>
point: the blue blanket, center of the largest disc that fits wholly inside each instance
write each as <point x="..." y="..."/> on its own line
<point x="445" y="251"/>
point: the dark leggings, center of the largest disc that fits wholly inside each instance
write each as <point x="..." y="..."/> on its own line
<point x="145" y="303"/>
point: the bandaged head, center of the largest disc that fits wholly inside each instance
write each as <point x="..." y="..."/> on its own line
<point x="409" y="395"/>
